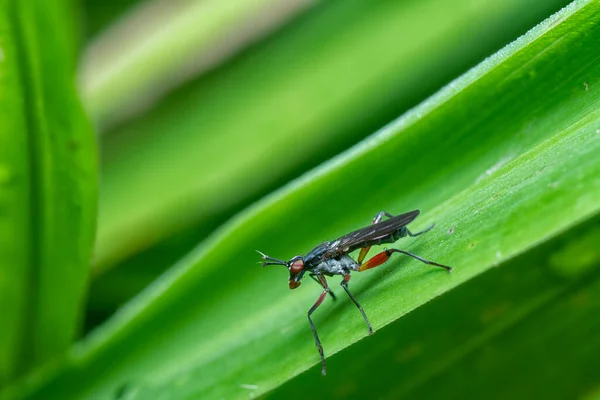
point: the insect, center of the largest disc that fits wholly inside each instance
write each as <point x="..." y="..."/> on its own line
<point x="332" y="258"/>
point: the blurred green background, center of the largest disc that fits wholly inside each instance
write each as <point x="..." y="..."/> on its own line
<point x="221" y="127"/>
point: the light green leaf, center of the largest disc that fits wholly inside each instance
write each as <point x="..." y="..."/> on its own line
<point x="502" y="159"/>
<point x="14" y="204"/>
<point x="314" y="89"/>
<point x="48" y="186"/>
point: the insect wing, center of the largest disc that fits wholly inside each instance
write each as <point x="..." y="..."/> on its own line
<point x="358" y="238"/>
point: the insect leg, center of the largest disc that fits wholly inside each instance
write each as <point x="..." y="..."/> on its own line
<point x="409" y="233"/>
<point x="365" y="250"/>
<point x="323" y="282"/>
<point x="314" y="278"/>
<point x="382" y="257"/>
<point x="344" y="284"/>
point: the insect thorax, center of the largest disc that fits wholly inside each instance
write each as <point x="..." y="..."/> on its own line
<point x="338" y="266"/>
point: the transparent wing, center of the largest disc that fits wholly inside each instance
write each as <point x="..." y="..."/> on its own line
<point x="361" y="237"/>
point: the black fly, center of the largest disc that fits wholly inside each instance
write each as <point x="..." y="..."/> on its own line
<point x="331" y="258"/>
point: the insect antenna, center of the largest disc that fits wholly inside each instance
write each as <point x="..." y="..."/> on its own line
<point x="267" y="260"/>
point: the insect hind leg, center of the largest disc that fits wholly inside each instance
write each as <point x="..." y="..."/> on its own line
<point x="382" y="257"/>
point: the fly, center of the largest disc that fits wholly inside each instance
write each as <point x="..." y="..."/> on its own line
<point x="332" y="258"/>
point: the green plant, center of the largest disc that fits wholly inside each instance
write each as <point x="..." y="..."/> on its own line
<point x="48" y="187"/>
<point x="504" y="159"/>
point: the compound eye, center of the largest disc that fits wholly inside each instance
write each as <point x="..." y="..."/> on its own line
<point x="297" y="266"/>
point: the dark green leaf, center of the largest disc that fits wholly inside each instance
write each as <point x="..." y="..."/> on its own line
<point x="504" y="334"/>
<point x="502" y="159"/>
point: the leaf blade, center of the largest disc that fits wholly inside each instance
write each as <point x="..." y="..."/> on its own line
<point x="272" y="113"/>
<point x="57" y="187"/>
<point x="195" y="333"/>
<point x="464" y="334"/>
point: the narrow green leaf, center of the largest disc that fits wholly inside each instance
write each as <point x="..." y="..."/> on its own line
<point x="518" y="360"/>
<point x="338" y="73"/>
<point x="48" y="186"/>
<point x="501" y="159"/>
<point x="14" y="204"/>
<point x="503" y="334"/>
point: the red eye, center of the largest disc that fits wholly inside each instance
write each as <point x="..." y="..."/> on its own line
<point x="297" y="266"/>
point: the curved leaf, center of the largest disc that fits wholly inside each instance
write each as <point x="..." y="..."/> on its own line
<point x="505" y="333"/>
<point x="48" y="190"/>
<point x="335" y="75"/>
<point x="502" y="159"/>
<point x="14" y="204"/>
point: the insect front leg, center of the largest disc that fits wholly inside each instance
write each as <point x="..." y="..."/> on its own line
<point x="323" y="282"/>
<point x="344" y="284"/>
<point x="378" y="218"/>
<point x="314" y="278"/>
<point x="382" y="257"/>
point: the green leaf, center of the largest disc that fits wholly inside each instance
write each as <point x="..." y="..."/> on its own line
<point x="507" y="333"/>
<point x="314" y="89"/>
<point x="14" y="207"/>
<point x="48" y="186"/>
<point x="502" y="159"/>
